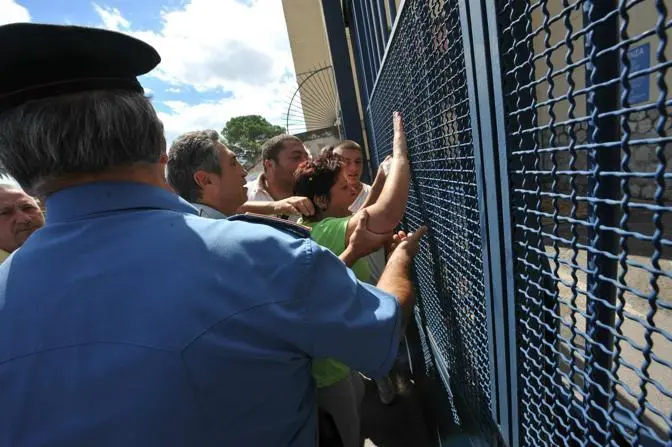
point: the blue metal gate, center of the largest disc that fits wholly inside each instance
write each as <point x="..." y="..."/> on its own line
<point x="539" y="135"/>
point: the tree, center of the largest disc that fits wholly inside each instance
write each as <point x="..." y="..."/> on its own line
<point x="245" y="134"/>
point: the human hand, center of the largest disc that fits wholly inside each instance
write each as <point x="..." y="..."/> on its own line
<point x="363" y="241"/>
<point x="408" y="243"/>
<point x="397" y="238"/>
<point x="399" y="145"/>
<point x="294" y="206"/>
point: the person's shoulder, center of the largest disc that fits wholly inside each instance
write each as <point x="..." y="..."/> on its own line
<point x="283" y="225"/>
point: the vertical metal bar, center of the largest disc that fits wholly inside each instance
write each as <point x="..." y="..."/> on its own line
<point x="392" y="7"/>
<point x="487" y="54"/>
<point x="382" y="21"/>
<point x="602" y="18"/>
<point x="376" y="47"/>
<point x="523" y="101"/>
<point x="340" y="56"/>
<point x="362" y="30"/>
<point x="482" y="172"/>
<point x="359" y="56"/>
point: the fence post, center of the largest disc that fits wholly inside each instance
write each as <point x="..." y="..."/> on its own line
<point x="602" y="18"/>
<point x="345" y="83"/>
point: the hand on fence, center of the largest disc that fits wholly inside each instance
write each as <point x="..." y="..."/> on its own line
<point x="294" y="206"/>
<point x="399" y="145"/>
<point x="410" y="242"/>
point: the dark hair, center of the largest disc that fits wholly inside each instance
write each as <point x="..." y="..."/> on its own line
<point x="327" y="150"/>
<point x="272" y="147"/>
<point x="315" y="178"/>
<point x="348" y="144"/>
<point x="191" y="152"/>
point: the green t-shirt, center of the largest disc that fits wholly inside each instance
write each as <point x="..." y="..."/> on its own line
<point x="330" y="233"/>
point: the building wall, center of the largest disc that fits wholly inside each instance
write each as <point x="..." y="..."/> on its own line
<point x="308" y="42"/>
<point x="318" y="139"/>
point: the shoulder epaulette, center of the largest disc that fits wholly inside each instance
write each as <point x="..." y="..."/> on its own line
<point x="275" y="222"/>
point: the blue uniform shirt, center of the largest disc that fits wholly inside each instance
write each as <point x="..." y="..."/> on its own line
<point x="130" y="321"/>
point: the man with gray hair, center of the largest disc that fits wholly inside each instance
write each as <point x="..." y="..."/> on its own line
<point x="20" y="216"/>
<point x="130" y="320"/>
<point x="206" y="173"/>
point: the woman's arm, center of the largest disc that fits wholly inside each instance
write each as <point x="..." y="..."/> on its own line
<point x="377" y="187"/>
<point x="385" y="214"/>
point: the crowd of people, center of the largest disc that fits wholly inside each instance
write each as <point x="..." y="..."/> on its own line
<point x="166" y="300"/>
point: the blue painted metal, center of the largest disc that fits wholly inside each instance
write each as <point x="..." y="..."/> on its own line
<point x="379" y="8"/>
<point x="603" y="269"/>
<point x="365" y="41"/>
<point x="534" y="208"/>
<point x="340" y="56"/>
<point x="392" y="9"/>
<point x="493" y="120"/>
<point x="640" y="60"/>
<point x="484" y="196"/>
<point x="374" y="33"/>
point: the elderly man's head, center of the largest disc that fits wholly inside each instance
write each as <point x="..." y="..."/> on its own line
<point x="203" y="170"/>
<point x="83" y="118"/>
<point x="20" y="216"/>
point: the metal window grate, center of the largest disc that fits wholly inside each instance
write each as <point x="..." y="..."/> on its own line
<point x="424" y="77"/>
<point x="587" y="114"/>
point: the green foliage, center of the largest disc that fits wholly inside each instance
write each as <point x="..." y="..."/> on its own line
<point x="245" y="134"/>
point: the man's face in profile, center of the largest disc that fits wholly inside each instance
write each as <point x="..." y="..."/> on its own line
<point x="19" y="218"/>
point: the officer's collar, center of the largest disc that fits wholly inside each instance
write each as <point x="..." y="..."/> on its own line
<point x="208" y="211"/>
<point x="101" y="197"/>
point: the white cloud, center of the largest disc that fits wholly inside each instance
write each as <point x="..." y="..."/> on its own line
<point x="222" y="45"/>
<point x="173" y="90"/>
<point x="11" y="11"/>
<point x="112" y="18"/>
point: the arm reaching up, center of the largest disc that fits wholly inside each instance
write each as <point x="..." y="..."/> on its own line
<point x="385" y="214"/>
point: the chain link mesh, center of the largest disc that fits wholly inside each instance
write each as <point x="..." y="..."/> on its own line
<point x="587" y="115"/>
<point x="424" y="77"/>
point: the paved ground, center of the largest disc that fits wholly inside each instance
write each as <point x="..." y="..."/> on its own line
<point x="400" y="424"/>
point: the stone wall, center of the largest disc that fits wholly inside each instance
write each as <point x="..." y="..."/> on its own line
<point x="643" y="158"/>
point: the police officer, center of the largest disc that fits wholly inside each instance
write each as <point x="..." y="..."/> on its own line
<point x="128" y="320"/>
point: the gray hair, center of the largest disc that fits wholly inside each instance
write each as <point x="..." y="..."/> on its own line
<point x="191" y="152"/>
<point x="79" y="133"/>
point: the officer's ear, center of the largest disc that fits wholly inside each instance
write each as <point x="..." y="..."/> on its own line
<point x="202" y="178"/>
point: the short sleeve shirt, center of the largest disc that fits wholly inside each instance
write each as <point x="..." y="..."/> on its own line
<point x="256" y="192"/>
<point x="165" y="328"/>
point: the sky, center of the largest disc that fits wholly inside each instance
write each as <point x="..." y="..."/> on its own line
<point x="219" y="58"/>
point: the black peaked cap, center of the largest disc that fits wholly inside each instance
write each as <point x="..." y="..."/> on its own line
<point x="38" y="61"/>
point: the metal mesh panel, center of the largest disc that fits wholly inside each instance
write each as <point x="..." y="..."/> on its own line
<point x="587" y="116"/>
<point x="423" y="77"/>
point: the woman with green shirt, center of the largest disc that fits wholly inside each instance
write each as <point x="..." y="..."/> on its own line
<point x="325" y="184"/>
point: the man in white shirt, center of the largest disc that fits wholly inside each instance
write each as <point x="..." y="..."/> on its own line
<point x="281" y="156"/>
<point x="353" y="165"/>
